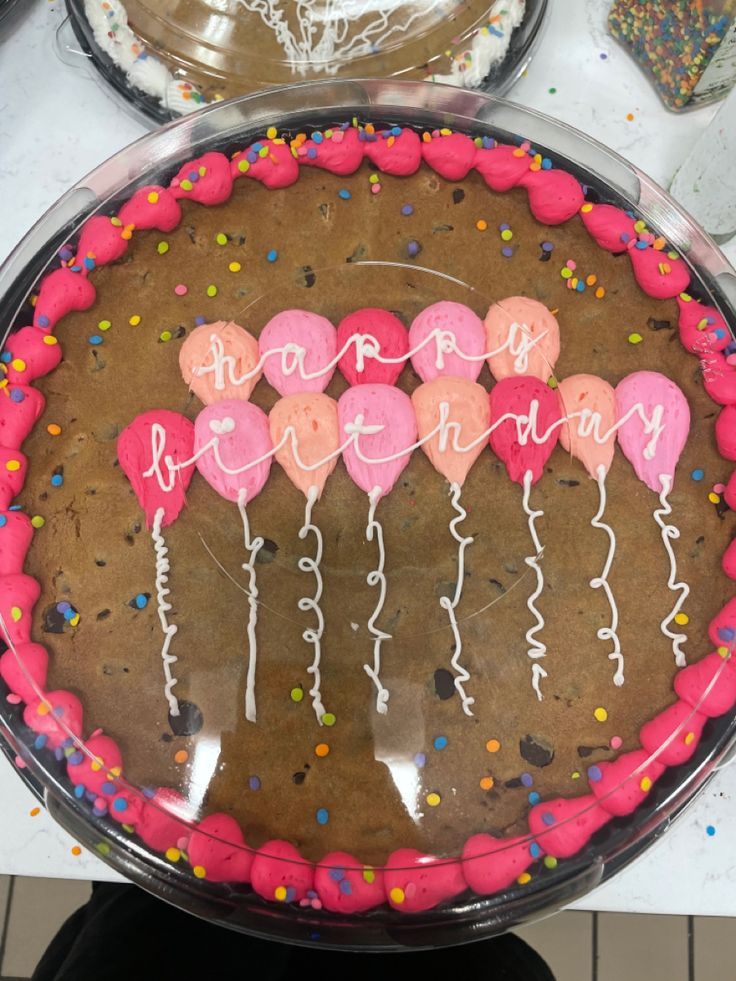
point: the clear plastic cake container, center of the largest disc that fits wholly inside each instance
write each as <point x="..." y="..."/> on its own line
<point x="224" y="58"/>
<point x="156" y="158"/>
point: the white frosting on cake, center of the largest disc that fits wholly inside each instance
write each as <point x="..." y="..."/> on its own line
<point x="488" y="46"/>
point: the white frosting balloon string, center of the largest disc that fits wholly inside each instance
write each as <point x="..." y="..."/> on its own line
<point x="163" y="567"/>
<point x="461" y="675"/>
<point x="253" y="547"/>
<point x="377" y="578"/>
<point x="671" y="533"/>
<point x="313" y="635"/>
<point x="601" y="581"/>
<point x="536" y="648"/>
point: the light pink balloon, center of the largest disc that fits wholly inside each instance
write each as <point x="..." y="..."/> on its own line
<point x="463" y="326"/>
<point x="389" y="408"/>
<point x="659" y="395"/>
<point x="313" y="418"/>
<point x="468" y="409"/>
<point x="588" y="394"/>
<point x="519" y="318"/>
<point x="241" y="432"/>
<point x="314" y="335"/>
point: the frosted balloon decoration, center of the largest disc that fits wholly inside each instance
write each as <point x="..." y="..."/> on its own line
<point x="233" y="452"/>
<point x="447" y="339"/>
<point x="306" y="439"/>
<point x="142" y="447"/>
<point x="378" y="431"/>
<point x="525" y="426"/>
<point x="523" y="338"/>
<point x="652" y="443"/>
<point x="453" y="417"/>
<point x="589" y="405"/>
<point x="220" y="361"/>
<point x="298" y="352"/>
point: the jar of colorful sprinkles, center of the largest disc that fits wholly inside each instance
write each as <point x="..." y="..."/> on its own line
<point x="687" y="47"/>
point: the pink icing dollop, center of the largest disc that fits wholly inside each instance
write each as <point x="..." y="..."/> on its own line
<point x="392" y="342"/>
<point x="18" y="595"/>
<point x="24" y="670"/>
<point x="623" y="784"/>
<point x="709" y="685"/>
<point x="490" y="864"/>
<point x="451" y="156"/>
<point x="674" y="734"/>
<point x="609" y="226"/>
<point x="345" y="886"/>
<point x="651" y="389"/>
<point x="729" y="494"/>
<point x="726" y="432"/>
<point x="218" y="847"/>
<point x="317" y="340"/>
<point x="398" y="155"/>
<point x="415" y="882"/>
<point x="61" y="292"/>
<point x="100" y="241"/>
<point x="276" y="169"/>
<point x="21" y="407"/>
<point x="54" y="716"/>
<point x="240" y="430"/>
<point x="99" y="770"/>
<point x="280" y="873"/>
<point x="151" y="206"/>
<point x="563" y="826"/>
<point x="13" y="468"/>
<point x="162" y="820"/>
<point x="15" y="539"/>
<point x="702" y="328"/>
<point x="34" y="353"/>
<point x="657" y="274"/>
<point x="502" y="167"/>
<point x="719" y="378"/>
<point x="516" y="395"/>
<point x="459" y="326"/>
<point x="722" y="628"/>
<point x="554" y="195"/>
<point x="392" y="410"/>
<point x="135" y="454"/>
<point x="206" y="180"/>
<point x="341" y="153"/>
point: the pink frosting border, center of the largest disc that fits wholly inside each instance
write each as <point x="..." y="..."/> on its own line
<point x="215" y="847"/>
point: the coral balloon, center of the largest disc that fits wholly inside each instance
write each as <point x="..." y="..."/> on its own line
<point x="652" y="448"/>
<point x="392" y="341"/>
<point x="526" y="336"/>
<point x="239" y="440"/>
<point x="384" y="417"/>
<point x="143" y="446"/>
<point x="214" y="360"/>
<point x="595" y="400"/>
<point x="525" y="440"/>
<point x="307" y="344"/>
<point x="312" y="418"/>
<point x="455" y="327"/>
<point x="465" y="412"/>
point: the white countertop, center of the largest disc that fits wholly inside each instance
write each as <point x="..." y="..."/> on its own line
<point x="57" y="123"/>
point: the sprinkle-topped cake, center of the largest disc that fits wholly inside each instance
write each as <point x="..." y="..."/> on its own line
<point x="369" y="542"/>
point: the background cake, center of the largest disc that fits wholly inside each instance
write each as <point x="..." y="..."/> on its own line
<point x="356" y="233"/>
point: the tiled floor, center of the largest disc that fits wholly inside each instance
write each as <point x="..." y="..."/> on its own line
<point x="577" y="946"/>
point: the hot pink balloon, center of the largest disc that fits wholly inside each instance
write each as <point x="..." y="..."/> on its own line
<point x="311" y="343"/>
<point x="596" y="400"/>
<point x="390" y="409"/>
<point x="215" y="357"/>
<point x="392" y="342"/>
<point x="238" y="435"/>
<point x="170" y="435"/>
<point x="529" y="335"/>
<point x="468" y="418"/>
<point x="538" y="407"/>
<point x="459" y="326"/>
<point x="313" y="418"/>
<point x="656" y="453"/>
